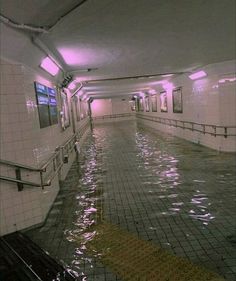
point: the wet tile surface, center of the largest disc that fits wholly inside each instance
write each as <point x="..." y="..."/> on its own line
<point x="175" y="194"/>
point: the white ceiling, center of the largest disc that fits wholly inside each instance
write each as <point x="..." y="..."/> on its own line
<point x="130" y="37"/>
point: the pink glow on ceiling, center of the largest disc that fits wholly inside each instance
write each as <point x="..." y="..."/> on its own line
<point x="168" y="86"/>
<point x="160" y="82"/>
<point x="48" y="65"/>
<point x="71" y="86"/>
<point x="151" y="91"/>
<point x="197" y="75"/>
<point x="71" y="57"/>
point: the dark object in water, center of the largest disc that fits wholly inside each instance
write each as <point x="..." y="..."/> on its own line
<point x="23" y="260"/>
<point x="232" y="239"/>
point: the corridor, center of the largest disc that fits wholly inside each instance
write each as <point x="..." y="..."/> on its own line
<point x="172" y="193"/>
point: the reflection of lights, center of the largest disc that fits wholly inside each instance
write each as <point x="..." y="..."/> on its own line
<point x="90" y="210"/>
<point x="221" y="81"/>
<point x="167" y="75"/>
<point x="197" y="75"/>
<point x="48" y="65"/>
<point x="30" y="104"/>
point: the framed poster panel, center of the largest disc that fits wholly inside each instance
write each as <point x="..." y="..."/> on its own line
<point x="163" y="102"/>
<point x="154" y="103"/>
<point x="177" y="100"/>
<point x="137" y="105"/>
<point x="147" y="104"/>
<point x="141" y="104"/>
<point x="77" y="107"/>
<point x="53" y="106"/>
<point x="42" y="104"/>
<point x="64" y="113"/>
<point x="132" y="105"/>
<point x="82" y="110"/>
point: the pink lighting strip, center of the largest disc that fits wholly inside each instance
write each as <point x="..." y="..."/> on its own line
<point x="197" y="75"/>
<point x="224" y="80"/>
<point x="48" y="65"/>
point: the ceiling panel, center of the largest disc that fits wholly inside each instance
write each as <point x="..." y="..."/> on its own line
<point x="129" y="37"/>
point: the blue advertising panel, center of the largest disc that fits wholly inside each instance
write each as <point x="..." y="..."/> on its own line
<point x="42" y="99"/>
<point x="39" y="88"/>
<point x="51" y="92"/>
<point x="52" y="101"/>
<point x="47" y="105"/>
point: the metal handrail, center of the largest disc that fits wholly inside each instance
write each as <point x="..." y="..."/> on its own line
<point x="21" y="166"/>
<point x="182" y="124"/>
<point x="23" y="181"/>
<point x="113" y="116"/>
<point x="68" y="146"/>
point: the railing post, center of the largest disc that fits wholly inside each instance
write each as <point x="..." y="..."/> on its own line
<point x="41" y="179"/>
<point x="18" y="177"/>
<point x="226" y="133"/>
<point x="214" y="127"/>
<point x="204" y="129"/>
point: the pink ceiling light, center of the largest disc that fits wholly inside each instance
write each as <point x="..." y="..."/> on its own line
<point x="197" y="75"/>
<point x="224" y="80"/>
<point x="48" y="65"/>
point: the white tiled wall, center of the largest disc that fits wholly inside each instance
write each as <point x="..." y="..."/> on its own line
<point x="22" y="141"/>
<point x="101" y="107"/>
<point x="204" y="101"/>
<point x="118" y="105"/>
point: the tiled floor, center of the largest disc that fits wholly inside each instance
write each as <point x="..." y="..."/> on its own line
<point x="165" y="190"/>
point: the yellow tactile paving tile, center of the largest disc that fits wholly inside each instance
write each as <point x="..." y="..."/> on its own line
<point x="134" y="259"/>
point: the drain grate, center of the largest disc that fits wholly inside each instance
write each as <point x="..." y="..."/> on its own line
<point x="134" y="259"/>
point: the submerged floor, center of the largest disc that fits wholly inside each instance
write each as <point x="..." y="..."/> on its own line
<point x="165" y="190"/>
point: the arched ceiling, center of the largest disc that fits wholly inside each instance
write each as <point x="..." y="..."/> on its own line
<point x="130" y="38"/>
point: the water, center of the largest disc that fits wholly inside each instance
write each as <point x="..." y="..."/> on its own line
<point x="173" y="193"/>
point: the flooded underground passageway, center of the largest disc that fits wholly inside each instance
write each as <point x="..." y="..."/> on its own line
<point x="137" y="190"/>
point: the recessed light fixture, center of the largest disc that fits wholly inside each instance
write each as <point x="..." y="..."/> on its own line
<point x="230" y="79"/>
<point x="48" y="65"/>
<point x="197" y="75"/>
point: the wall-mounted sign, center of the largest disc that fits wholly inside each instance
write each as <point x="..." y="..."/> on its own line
<point x="147" y="104"/>
<point x="177" y="100"/>
<point x="163" y="102"/>
<point x="64" y="110"/>
<point x="154" y="103"/>
<point x="77" y="107"/>
<point x="47" y="105"/>
<point x="141" y="104"/>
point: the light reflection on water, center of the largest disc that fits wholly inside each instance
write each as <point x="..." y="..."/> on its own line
<point x="89" y="210"/>
<point x="169" y="170"/>
<point x="160" y="160"/>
